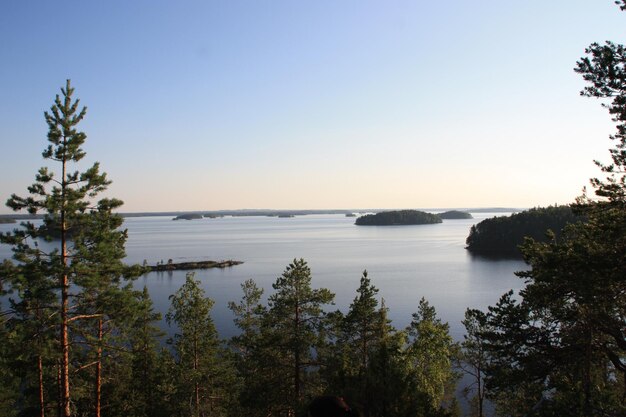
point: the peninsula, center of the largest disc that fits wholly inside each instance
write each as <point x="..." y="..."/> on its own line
<point x="501" y="236"/>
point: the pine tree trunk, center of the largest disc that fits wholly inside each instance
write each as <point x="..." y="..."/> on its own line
<point x="59" y="394"/>
<point x="99" y="369"/>
<point x="65" y="345"/>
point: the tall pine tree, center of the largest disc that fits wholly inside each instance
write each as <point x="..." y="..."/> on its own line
<point x="84" y="259"/>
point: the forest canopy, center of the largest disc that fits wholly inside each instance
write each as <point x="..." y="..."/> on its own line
<point x="454" y="215"/>
<point x="502" y="236"/>
<point x="396" y="218"/>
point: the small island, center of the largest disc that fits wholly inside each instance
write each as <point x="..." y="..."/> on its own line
<point x="455" y="215"/>
<point x="398" y="218"/>
<point x="188" y="216"/>
<point x="350" y="215"/>
<point x="6" y="220"/>
<point x="186" y="266"/>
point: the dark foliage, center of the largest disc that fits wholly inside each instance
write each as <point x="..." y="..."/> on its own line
<point x="396" y="218"/>
<point x="501" y="236"/>
<point x="454" y="215"/>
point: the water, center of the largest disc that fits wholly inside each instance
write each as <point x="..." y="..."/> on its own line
<point x="404" y="262"/>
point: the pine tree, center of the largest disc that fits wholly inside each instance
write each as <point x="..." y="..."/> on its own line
<point x="358" y="340"/>
<point x="248" y="349"/>
<point x="430" y="353"/>
<point x="292" y="327"/>
<point x="474" y="359"/>
<point x="203" y="374"/>
<point x="85" y="262"/>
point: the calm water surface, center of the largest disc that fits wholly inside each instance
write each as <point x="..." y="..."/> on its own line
<point x="404" y="262"/>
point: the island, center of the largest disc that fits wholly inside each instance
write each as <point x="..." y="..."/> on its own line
<point x="6" y="220"/>
<point x="398" y="218"/>
<point x="185" y="266"/>
<point x="455" y="215"/>
<point x="188" y="216"/>
<point x="500" y="237"/>
<point x="350" y="215"/>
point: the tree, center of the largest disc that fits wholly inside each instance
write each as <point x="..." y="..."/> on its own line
<point x="203" y="373"/>
<point x="249" y="349"/>
<point x="89" y="244"/>
<point x="292" y="327"/>
<point x="559" y="348"/>
<point x="430" y="353"/>
<point x="474" y="360"/>
<point x="358" y="339"/>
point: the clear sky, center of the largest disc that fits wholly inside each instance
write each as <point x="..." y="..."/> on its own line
<point x="202" y="105"/>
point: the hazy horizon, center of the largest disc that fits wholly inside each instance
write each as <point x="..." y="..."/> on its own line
<point x="403" y="104"/>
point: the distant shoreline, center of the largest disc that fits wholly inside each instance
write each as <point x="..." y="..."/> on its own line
<point x="273" y="212"/>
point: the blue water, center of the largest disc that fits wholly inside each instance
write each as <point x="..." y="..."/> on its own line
<point x="404" y="262"/>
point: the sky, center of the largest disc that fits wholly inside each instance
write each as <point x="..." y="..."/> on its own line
<point x="229" y="104"/>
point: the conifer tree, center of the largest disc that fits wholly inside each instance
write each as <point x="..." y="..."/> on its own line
<point x="203" y="374"/>
<point x="292" y="326"/>
<point x="559" y="349"/>
<point x="430" y="353"/>
<point x="249" y="350"/>
<point x="358" y="341"/>
<point x="87" y="246"/>
<point x="474" y="359"/>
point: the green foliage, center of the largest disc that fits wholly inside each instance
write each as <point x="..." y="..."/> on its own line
<point x="394" y="218"/>
<point x="430" y="355"/>
<point x="203" y="375"/>
<point x="501" y="236"/>
<point x="62" y="325"/>
<point x="251" y="351"/>
<point x="293" y="325"/>
<point x="384" y="372"/>
<point x="473" y="360"/>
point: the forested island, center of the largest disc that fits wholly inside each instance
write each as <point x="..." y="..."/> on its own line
<point x="397" y="218"/>
<point x="455" y="215"/>
<point x="6" y="220"/>
<point x="501" y="236"/>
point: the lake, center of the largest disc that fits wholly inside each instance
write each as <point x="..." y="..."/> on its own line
<point x="404" y="262"/>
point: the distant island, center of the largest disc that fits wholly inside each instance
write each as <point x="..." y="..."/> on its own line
<point x="6" y="220"/>
<point x="455" y="215"/>
<point x="501" y="236"/>
<point x="350" y="215"/>
<point x="188" y="216"/>
<point x="397" y="218"/>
